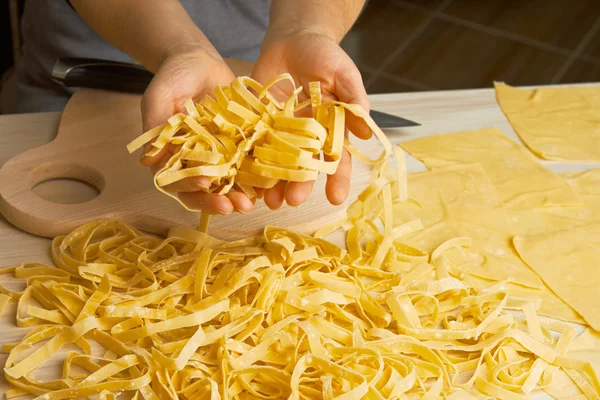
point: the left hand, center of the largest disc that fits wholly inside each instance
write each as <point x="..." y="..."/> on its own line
<point x="309" y="57"/>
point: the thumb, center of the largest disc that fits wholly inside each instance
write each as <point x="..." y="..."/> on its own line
<point x="349" y="88"/>
<point x="157" y="106"/>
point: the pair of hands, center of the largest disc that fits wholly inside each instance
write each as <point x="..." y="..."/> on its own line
<point x="308" y="57"/>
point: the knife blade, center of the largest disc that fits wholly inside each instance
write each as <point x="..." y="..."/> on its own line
<point x="133" y="78"/>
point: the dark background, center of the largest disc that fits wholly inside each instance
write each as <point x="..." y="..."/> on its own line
<point x="412" y="45"/>
<point x="6" y="52"/>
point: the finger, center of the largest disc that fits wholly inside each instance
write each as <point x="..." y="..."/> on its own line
<point x="281" y="90"/>
<point x="160" y="164"/>
<point x="163" y="155"/>
<point x="191" y="184"/>
<point x="240" y="202"/>
<point x="304" y="112"/>
<point x="274" y="196"/>
<point x="338" y="184"/>
<point x="210" y="203"/>
<point x="296" y="193"/>
<point x="156" y="107"/>
<point x="358" y="126"/>
<point x="157" y="104"/>
<point x="349" y="88"/>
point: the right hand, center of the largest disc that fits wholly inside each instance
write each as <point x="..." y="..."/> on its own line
<point x="191" y="74"/>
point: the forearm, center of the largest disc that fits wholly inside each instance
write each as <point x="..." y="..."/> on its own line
<point x="332" y="18"/>
<point x="148" y="30"/>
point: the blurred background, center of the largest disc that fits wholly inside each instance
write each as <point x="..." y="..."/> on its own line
<point x="414" y="45"/>
<point x="9" y="37"/>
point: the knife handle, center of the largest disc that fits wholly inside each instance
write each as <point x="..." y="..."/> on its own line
<point x="101" y="74"/>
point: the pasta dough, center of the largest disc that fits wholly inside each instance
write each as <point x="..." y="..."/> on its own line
<point x="555" y="123"/>
<point x="459" y="200"/>
<point x="567" y="262"/>
<point x="587" y="186"/>
<point x="454" y="202"/>
<point x="521" y="182"/>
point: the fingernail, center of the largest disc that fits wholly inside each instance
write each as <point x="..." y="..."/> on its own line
<point x="341" y="196"/>
<point x="246" y="207"/>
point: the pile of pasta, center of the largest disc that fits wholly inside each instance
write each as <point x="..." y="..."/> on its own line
<point x="278" y="316"/>
<point x="243" y="138"/>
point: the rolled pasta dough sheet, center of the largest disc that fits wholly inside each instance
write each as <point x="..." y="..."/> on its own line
<point x="567" y="261"/>
<point x="521" y="182"/>
<point x="555" y="123"/>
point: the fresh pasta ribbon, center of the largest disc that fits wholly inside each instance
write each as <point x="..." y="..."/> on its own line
<point x="244" y="138"/>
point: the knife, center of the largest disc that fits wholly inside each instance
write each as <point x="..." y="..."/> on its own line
<point x="133" y="78"/>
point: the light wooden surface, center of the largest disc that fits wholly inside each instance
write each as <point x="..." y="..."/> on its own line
<point x="438" y="112"/>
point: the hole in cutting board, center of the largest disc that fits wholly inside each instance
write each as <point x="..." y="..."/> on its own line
<point x="65" y="191"/>
<point x="64" y="182"/>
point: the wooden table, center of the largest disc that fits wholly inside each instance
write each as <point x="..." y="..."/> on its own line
<point x="438" y="112"/>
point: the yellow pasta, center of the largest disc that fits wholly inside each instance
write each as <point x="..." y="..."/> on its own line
<point x="243" y="138"/>
<point x="279" y="316"/>
<point x="4" y="300"/>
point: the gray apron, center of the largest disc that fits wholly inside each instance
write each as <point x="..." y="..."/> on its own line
<point x="52" y="29"/>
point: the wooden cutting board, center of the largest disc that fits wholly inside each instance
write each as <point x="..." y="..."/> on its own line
<point x="90" y="146"/>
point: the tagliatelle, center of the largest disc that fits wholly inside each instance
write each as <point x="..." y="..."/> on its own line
<point x="244" y="139"/>
<point x="279" y="316"/>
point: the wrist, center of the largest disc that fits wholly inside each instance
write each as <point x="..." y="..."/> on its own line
<point x="200" y="49"/>
<point x="327" y="18"/>
<point x="276" y="33"/>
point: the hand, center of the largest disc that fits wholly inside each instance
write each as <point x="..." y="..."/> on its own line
<point x="309" y="57"/>
<point x="191" y="74"/>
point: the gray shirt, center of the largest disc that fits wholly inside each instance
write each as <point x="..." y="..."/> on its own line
<point x="52" y="29"/>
